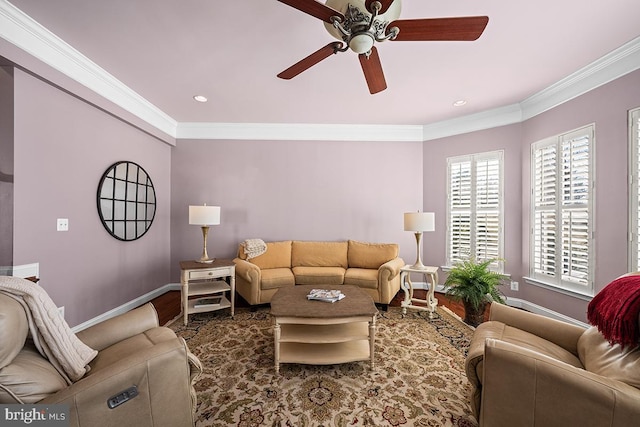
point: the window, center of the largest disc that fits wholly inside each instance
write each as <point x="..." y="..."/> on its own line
<point x="562" y="211"/>
<point x="475" y="207"/>
<point x="634" y="189"/>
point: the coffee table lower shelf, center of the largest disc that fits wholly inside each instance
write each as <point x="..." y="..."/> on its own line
<point x="316" y="343"/>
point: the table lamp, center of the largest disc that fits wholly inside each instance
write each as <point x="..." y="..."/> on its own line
<point x="419" y="222"/>
<point x="204" y="216"/>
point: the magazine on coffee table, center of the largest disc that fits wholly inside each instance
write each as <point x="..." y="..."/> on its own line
<point x="327" y="295"/>
<point x="208" y="302"/>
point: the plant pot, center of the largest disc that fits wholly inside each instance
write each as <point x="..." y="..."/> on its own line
<point x="473" y="316"/>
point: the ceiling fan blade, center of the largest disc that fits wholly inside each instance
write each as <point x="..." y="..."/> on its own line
<point x="373" y="73"/>
<point x="440" y="29"/>
<point x="310" y="61"/>
<point x="313" y="8"/>
<point x="385" y="5"/>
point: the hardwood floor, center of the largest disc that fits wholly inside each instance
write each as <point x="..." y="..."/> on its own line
<point x="168" y="304"/>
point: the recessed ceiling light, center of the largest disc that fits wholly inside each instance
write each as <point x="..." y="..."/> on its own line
<point x="460" y="103"/>
<point x="200" y="98"/>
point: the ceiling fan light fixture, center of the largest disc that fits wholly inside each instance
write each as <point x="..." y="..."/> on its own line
<point x="361" y="43"/>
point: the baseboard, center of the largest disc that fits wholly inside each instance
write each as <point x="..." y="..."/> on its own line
<point x="513" y="302"/>
<point x="124" y="308"/>
<point x="523" y="304"/>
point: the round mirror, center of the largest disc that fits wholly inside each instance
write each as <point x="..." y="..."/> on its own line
<point x="126" y="201"/>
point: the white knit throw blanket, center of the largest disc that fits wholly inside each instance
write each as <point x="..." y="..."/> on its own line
<point x="254" y="247"/>
<point x="50" y="332"/>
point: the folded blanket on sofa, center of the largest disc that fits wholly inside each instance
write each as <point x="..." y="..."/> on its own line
<point x="254" y="247"/>
<point x="50" y="332"/>
<point x="615" y="310"/>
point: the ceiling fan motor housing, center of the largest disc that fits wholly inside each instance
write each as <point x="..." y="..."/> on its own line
<point x="362" y="33"/>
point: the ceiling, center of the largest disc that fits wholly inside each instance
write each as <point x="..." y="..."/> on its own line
<point x="231" y="51"/>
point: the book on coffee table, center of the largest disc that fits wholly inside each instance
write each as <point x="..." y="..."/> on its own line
<point x="326" y="295"/>
<point x="208" y="302"/>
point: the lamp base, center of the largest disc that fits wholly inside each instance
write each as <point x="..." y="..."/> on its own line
<point x="418" y="266"/>
<point x="205" y="261"/>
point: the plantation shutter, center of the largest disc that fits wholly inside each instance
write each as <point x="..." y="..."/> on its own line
<point x="561" y="237"/>
<point x="459" y="211"/>
<point x="487" y="209"/>
<point x="474" y="220"/>
<point x="544" y="215"/>
<point x="576" y="186"/>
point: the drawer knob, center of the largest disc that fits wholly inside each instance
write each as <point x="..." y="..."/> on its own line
<point x="211" y="273"/>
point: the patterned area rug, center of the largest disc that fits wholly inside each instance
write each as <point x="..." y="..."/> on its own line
<point x="418" y="380"/>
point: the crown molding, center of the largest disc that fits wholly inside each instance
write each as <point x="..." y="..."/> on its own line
<point x="304" y="132"/>
<point x="488" y="119"/>
<point x="22" y="31"/>
<point x="613" y="65"/>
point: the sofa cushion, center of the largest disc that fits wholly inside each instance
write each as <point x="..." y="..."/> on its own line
<point x="362" y="277"/>
<point x="319" y="254"/>
<point x="30" y="377"/>
<point x="319" y="275"/>
<point x="370" y="255"/>
<point x="610" y="361"/>
<point x="278" y="255"/>
<point x="14" y="329"/>
<point x="274" y="278"/>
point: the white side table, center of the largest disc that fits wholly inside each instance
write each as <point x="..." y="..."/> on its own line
<point x="213" y="279"/>
<point x="430" y="274"/>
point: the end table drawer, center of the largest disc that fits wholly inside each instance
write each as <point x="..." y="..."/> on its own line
<point x="207" y="274"/>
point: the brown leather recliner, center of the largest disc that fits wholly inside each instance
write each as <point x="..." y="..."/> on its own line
<point x="530" y="370"/>
<point x="133" y="351"/>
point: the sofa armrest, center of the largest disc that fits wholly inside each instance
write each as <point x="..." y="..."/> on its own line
<point x="161" y="374"/>
<point x="525" y="388"/>
<point x="561" y="333"/>
<point x="390" y="269"/>
<point x="119" y="328"/>
<point x="248" y="271"/>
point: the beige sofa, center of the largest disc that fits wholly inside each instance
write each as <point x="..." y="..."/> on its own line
<point x="373" y="267"/>
<point x="530" y="370"/>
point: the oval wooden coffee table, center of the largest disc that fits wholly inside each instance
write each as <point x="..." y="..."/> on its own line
<point x="323" y="333"/>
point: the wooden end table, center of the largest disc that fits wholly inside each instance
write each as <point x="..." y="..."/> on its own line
<point x="213" y="279"/>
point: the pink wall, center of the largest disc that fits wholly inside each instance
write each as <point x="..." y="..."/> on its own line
<point x="62" y="147"/>
<point x="506" y="138"/>
<point x="6" y="167"/>
<point x="306" y="190"/>
<point x="607" y="107"/>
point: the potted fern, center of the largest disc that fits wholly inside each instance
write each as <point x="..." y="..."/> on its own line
<point x="475" y="285"/>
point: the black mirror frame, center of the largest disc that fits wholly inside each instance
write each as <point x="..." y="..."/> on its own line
<point x="126" y="211"/>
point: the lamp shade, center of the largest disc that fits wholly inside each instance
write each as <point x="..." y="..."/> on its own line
<point x="419" y="221"/>
<point x="204" y="215"/>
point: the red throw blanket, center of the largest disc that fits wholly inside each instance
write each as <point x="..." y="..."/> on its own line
<point x="615" y="310"/>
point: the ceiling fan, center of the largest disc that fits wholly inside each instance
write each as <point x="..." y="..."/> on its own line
<point x="362" y="23"/>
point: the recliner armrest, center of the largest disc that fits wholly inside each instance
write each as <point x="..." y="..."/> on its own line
<point x="563" y="334"/>
<point x="119" y="328"/>
<point x="161" y="375"/>
<point x="525" y="388"/>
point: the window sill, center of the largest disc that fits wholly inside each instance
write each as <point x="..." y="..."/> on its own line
<point x="549" y="286"/>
